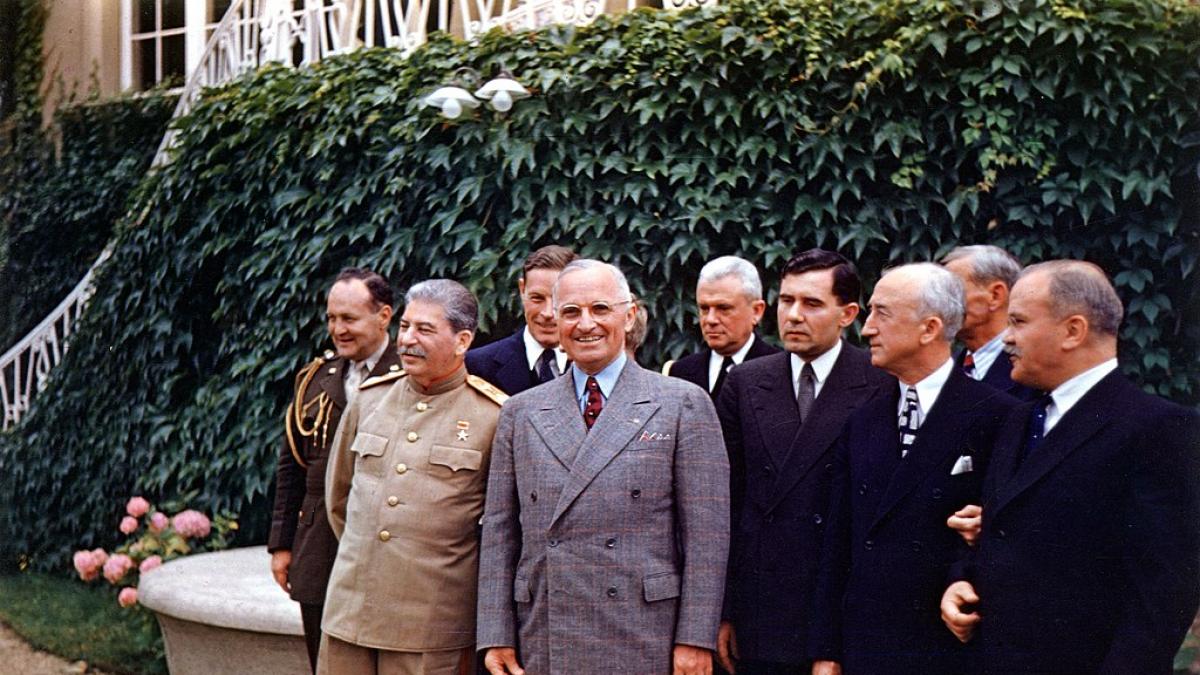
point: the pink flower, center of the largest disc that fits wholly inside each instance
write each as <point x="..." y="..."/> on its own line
<point x="137" y="507"/>
<point x="100" y="556"/>
<point x="86" y="565"/>
<point x="192" y="524"/>
<point x="128" y="525"/>
<point x="127" y="597"/>
<point x="116" y="567"/>
<point x="150" y="563"/>
<point x="159" y="521"/>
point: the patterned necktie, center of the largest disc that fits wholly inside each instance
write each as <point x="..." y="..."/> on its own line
<point x="807" y="392"/>
<point x="968" y="365"/>
<point x="725" y="366"/>
<point x="1036" y="429"/>
<point x="546" y="366"/>
<point x="595" y="402"/>
<point x="910" y="421"/>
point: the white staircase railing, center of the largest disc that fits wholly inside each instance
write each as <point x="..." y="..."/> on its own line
<point x="297" y="33"/>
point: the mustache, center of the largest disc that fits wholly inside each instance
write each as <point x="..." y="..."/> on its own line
<point x="1011" y="350"/>
<point x="413" y="351"/>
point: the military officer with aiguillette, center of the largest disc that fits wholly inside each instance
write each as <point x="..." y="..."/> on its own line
<point x="358" y="311"/>
<point x="405" y="489"/>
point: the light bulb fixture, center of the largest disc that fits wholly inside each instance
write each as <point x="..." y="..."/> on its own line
<point x="454" y="98"/>
<point x="502" y="91"/>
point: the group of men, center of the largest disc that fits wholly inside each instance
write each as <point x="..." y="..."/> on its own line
<point x="546" y="505"/>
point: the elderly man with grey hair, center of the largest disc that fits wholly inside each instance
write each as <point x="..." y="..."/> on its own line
<point x="607" y="525"/>
<point x="730" y="302"/>
<point x="404" y="490"/>
<point x="906" y="461"/>
<point x="988" y="274"/>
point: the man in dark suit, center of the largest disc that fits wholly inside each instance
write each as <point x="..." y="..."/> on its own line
<point x="1087" y="559"/>
<point x="780" y="415"/>
<point x="729" y="298"/>
<point x="906" y="460"/>
<point x="988" y="274"/>
<point x="531" y="355"/>
<point x="302" y="545"/>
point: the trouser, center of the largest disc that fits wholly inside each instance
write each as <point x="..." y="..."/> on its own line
<point x="339" y="657"/>
<point x="310" y="617"/>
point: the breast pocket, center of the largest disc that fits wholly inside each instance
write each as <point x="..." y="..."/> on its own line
<point x="455" y="459"/>
<point x="368" y="450"/>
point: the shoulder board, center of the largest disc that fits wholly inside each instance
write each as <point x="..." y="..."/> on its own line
<point x="667" y="367"/>
<point x="381" y="379"/>
<point x="309" y="369"/>
<point x="487" y="389"/>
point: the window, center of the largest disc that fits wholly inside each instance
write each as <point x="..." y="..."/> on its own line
<point x="164" y="40"/>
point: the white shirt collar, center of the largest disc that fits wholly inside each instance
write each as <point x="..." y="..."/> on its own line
<point x="1066" y="395"/>
<point x="715" y="360"/>
<point x="986" y="355"/>
<point x="929" y="388"/>
<point x="822" y="366"/>
<point x="534" y="349"/>
<point x="373" y="359"/>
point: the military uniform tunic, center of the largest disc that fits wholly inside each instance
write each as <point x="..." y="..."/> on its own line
<point x="405" y="488"/>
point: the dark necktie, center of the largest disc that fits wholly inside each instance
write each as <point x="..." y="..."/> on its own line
<point x="910" y="421"/>
<point x="1036" y="429"/>
<point x="807" y="392"/>
<point x="545" y="366"/>
<point x="725" y="366"/>
<point x="969" y="364"/>
<point x="595" y="402"/>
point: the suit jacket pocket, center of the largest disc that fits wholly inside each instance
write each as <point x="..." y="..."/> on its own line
<point x="521" y="591"/>
<point x="369" y="445"/>
<point x="455" y="458"/>
<point x="661" y="586"/>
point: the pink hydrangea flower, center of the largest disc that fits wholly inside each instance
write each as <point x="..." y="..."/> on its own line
<point x="129" y="524"/>
<point x="159" y="521"/>
<point x="137" y="507"/>
<point x="116" y="567"/>
<point x="100" y="556"/>
<point x="127" y="597"/>
<point x="192" y="524"/>
<point x="153" y="562"/>
<point x="86" y="565"/>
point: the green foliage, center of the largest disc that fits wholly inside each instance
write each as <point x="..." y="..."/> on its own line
<point x="58" y="207"/>
<point x="76" y="622"/>
<point x="891" y="130"/>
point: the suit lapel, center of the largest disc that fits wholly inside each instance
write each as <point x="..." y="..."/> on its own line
<point x="512" y="368"/>
<point x="776" y="415"/>
<point x="559" y="421"/>
<point x="1089" y="416"/>
<point x="334" y="383"/>
<point x="625" y="413"/>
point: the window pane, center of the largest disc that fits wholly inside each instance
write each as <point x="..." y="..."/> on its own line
<point x="145" y="18"/>
<point x="173" y="64"/>
<point x="217" y="9"/>
<point x="144" y="63"/>
<point x="172" y="13"/>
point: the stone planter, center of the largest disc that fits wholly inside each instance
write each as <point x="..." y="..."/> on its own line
<point x="223" y="613"/>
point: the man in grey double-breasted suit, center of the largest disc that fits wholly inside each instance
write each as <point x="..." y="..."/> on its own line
<point x="605" y="531"/>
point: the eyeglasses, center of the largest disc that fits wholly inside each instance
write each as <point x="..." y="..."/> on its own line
<point x="599" y="310"/>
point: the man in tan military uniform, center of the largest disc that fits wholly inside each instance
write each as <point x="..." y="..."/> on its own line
<point x="405" y="491"/>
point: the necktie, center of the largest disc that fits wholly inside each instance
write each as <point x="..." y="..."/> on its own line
<point x="595" y="402"/>
<point x="910" y="421"/>
<point x="1036" y="428"/>
<point x="807" y="391"/>
<point x="725" y="366"/>
<point x="968" y="365"/>
<point x="547" y="366"/>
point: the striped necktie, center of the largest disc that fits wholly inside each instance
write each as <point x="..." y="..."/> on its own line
<point x="910" y="421"/>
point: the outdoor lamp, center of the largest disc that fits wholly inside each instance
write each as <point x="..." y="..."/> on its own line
<point x="502" y="90"/>
<point x="452" y="99"/>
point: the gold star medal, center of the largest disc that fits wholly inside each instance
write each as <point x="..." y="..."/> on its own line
<point x="462" y="434"/>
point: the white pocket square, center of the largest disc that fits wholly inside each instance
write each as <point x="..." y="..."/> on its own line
<point x="965" y="464"/>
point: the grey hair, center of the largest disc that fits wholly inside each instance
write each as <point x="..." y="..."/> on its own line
<point x="941" y="294"/>
<point x="1079" y="287"/>
<point x="583" y="264"/>
<point x="459" y="304"/>
<point x="988" y="264"/>
<point x="733" y="266"/>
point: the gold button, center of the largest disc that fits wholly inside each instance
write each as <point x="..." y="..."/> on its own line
<point x="413" y="436"/>
<point x="401" y="467"/>
<point x="384" y="535"/>
<point x="332" y="370"/>
<point x="393" y="500"/>
<point x="422" y="406"/>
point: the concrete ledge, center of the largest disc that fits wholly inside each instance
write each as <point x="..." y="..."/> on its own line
<point x="223" y="613"/>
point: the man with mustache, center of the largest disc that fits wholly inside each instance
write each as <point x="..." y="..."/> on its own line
<point x="906" y="460"/>
<point x="606" y="531"/>
<point x="358" y="310"/>
<point x="531" y="355"/>
<point x="730" y="303"/>
<point x="781" y="415"/>
<point x="405" y="492"/>
<point x="1087" y="560"/>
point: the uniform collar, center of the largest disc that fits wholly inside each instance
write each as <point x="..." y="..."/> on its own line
<point x="452" y="382"/>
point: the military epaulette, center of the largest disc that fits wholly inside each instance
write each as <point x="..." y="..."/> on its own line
<point x="667" y="367"/>
<point x="382" y="379"/>
<point x="487" y="389"/>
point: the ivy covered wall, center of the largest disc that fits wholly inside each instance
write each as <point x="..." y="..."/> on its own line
<point x="891" y="130"/>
